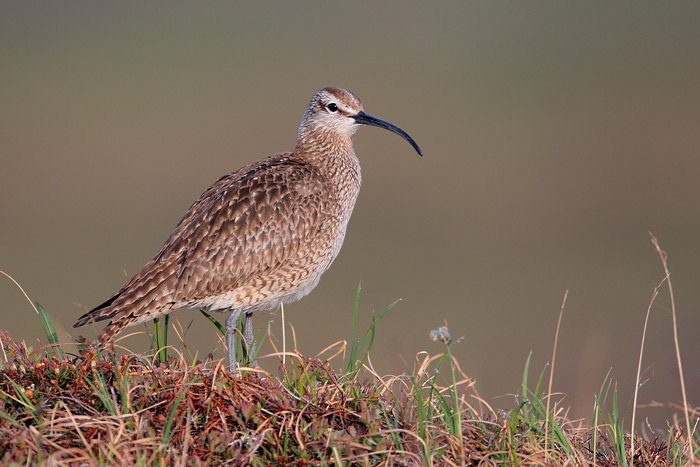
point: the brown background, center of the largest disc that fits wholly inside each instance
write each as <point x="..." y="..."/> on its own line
<point x="555" y="137"/>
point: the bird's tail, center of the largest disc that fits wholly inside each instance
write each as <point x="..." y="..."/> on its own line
<point x="137" y="301"/>
<point x="109" y="332"/>
<point x="101" y="312"/>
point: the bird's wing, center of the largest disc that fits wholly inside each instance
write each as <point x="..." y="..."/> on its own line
<point x="248" y="224"/>
<point x="246" y="229"/>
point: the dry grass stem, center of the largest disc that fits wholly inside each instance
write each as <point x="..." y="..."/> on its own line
<point x="664" y="259"/>
<point x="551" y="370"/>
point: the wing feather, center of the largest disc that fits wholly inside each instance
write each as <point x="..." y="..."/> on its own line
<point x="248" y="225"/>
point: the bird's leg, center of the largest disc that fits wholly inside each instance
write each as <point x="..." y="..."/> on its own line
<point x="249" y="337"/>
<point x="231" y="338"/>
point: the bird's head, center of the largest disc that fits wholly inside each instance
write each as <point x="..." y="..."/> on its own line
<point x="336" y="113"/>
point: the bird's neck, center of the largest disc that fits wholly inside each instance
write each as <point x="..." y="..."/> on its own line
<point x="327" y="150"/>
<point x="335" y="159"/>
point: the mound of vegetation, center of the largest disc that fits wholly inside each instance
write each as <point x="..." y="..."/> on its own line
<point x="100" y="409"/>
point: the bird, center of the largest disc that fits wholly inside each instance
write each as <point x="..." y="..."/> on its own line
<point x="260" y="236"/>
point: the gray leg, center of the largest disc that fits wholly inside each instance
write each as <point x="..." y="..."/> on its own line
<point x="232" y="338"/>
<point x="249" y="337"/>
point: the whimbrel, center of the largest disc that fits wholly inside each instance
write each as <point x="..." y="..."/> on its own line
<point x="260" y="236"/>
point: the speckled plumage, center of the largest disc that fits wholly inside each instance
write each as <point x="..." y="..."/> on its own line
<point x="259" y="236"/>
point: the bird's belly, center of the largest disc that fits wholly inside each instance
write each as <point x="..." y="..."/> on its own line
<point x="257" y="296"/>
<point x="289" y="282"/>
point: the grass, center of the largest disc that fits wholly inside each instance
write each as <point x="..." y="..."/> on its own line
<point x="69" y="404"/>
<point x="98" y="409"/>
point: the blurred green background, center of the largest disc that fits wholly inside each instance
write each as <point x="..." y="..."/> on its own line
<point x="556" y="136"/>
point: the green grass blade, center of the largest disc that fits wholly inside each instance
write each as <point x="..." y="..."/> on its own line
<point x="166" y="322"/>
<point x="123" y="384"/>
<point x="215" y="322"/>
<point x="355" y="317"/>
<point x="99" y="387"/>
<point x="359" y="353"/>
<point x="21" y="396"/>
<point x="161" y="339"/>
<point x="49" y="330"/>
<point x="171" y="416"/>
<point x="523" y="387"/>
<point x="600" y="399"/>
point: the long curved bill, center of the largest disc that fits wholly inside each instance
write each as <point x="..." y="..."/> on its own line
<point x="365" y="119"/>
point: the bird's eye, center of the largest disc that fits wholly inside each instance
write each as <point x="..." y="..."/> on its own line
<point x="332" y="107"/>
